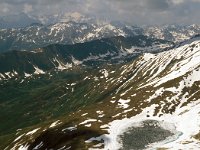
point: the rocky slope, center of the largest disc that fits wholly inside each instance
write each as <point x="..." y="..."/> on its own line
<point x="162" y="87"/>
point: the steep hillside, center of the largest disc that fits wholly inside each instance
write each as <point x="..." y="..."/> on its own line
<point x="115" y="104"/>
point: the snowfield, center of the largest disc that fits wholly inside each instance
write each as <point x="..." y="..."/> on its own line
<point x="184" y="123"/>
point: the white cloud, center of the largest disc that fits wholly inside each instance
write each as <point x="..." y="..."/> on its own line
<point x="177" y="1"/>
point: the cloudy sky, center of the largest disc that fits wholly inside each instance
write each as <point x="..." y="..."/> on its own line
<point x="132" y="11"/>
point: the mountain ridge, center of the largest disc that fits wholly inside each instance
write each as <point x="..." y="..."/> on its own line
<point x="61" y="57"/>
<point x="163" y="87"/>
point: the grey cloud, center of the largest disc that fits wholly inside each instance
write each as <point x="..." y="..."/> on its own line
<point x="18" y="2"/>
<point x="132" y="11"/>
<point x="157" y="4"/>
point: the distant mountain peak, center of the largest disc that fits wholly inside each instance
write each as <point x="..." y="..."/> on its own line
<point x="17" y="21"/>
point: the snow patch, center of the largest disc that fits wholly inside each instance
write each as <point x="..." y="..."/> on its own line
<point x="38" y="71"/>
<point x="87" y="121"/>
<point x="55" y="124"/>
<point x="32" y="132"/>
<point x="123" y="103"/>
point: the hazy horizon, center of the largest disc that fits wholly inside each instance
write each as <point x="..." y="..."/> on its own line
<point x="138" y="12"/>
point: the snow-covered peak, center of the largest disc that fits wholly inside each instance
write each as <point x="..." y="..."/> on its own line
<point x="172" y="32"/>
<point x="37" y="36"/>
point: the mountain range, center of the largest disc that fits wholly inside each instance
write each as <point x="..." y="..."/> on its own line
<point x="88" y="85"/>
<point x="38" y="35"/>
